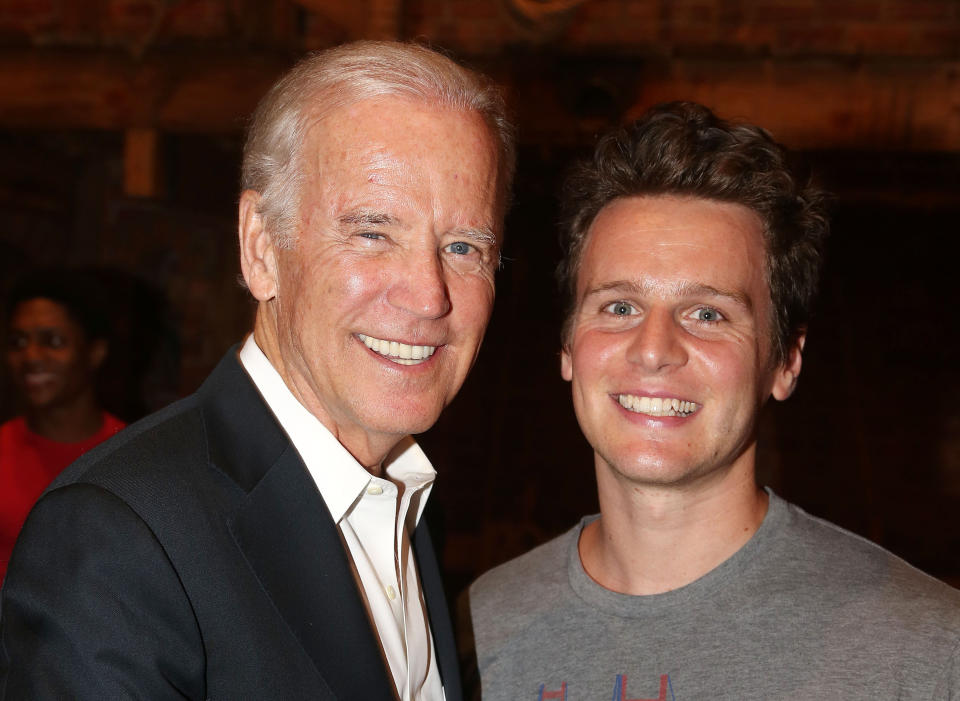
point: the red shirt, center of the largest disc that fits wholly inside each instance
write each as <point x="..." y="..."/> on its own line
<point x="28" y="463"/>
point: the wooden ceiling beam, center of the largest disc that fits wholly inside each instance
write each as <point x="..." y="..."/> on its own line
<point x="186" y="92"/>
<point x="815" y="103"/>
<point x="808" y="104"/>
<point x="820" y="104"/>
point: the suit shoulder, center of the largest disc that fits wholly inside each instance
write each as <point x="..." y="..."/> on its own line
<point x="91" y="591"/>
<point x="161" y="468"/>
<point x="163" y="438"/>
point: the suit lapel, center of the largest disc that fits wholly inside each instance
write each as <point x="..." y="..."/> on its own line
<point x="288" y="537"/>
<point x="437" y="612"/>
<point x="294" y="547"/>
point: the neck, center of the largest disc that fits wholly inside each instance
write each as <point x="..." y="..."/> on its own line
<point x="70" y="422"/>
<point x="653" y="540"/>
<point x="369" y="449"/>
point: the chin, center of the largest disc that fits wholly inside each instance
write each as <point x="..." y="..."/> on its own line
<point x="652" y="468"/>
<point x="403" y="423"/>
<point x="38" y="403"/>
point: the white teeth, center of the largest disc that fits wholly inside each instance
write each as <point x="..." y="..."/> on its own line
<point x="657" y="406"/>
<point x="400" y="353"/>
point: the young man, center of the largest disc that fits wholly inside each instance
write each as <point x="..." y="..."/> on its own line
<point x="693" y="257"/>
<point x="262" y="539"/>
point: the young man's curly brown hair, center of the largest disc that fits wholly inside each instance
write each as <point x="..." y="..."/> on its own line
<point x="683" y="148"/>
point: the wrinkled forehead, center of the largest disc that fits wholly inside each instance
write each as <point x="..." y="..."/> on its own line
<point x="324" y="120"/>
<point x="423" y="153"/>
<point x="370" y="127"/>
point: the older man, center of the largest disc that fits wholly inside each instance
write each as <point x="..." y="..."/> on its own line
<point x="693" y="257"/>
<point x="260" y="539"/>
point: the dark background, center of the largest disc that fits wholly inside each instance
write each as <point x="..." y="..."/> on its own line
<point x="120" y="134"/>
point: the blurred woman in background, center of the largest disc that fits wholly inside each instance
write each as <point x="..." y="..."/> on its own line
<point x="56" y="341"/>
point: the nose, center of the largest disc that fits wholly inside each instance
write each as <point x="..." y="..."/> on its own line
<point x="656" y="345"/>
<point x="420" y="287"/>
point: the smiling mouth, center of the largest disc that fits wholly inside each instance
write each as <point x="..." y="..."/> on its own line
<point x="399" y="353"/>
<point x="657" y="406"/>
<point x="32" y="379"/>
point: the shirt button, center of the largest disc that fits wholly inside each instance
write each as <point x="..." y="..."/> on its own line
<point x="391" y="592"/>
<point x="374" y="490"/>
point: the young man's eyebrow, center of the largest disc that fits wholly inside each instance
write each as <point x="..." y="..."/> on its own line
<point x="701" y="290"/>
<point x="683" y="289"/>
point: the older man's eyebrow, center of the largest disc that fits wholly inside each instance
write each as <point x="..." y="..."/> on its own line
<point x="366" y="218"/>
<point x="681" y="289"/>
<point x="483" y="234"/>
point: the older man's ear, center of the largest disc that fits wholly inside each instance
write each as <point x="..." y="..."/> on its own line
<point x="258" y="258"/>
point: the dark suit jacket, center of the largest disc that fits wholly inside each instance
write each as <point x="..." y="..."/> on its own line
<point x="193" y="557"/>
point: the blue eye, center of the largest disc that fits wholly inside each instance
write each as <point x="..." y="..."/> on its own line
<point x="460" y="248"/>
<point x="620" y="308"/>
<point x="707" y="315"/>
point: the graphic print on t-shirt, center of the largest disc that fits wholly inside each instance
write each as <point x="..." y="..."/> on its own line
<point x="619" y="691"/>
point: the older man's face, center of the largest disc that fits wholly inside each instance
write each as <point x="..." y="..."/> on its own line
<point x="383" y="300"/>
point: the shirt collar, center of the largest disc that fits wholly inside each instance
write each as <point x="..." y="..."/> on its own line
<point x="339" y="477"/>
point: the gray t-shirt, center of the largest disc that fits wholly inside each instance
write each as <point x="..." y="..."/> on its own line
<point x="804" y="610"/>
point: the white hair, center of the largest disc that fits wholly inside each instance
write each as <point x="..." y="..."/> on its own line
<point x="337" y="77"/>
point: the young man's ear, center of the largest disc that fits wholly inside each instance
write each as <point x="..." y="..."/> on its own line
<point x="788" y="371"/>
<point x="258" y="258"/>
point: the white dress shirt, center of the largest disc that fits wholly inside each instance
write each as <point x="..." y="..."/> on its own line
<point x="376" y="517"/>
